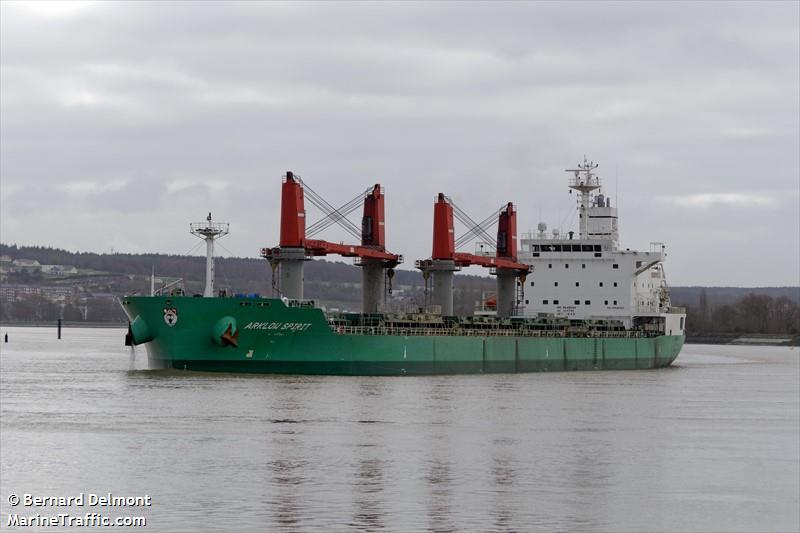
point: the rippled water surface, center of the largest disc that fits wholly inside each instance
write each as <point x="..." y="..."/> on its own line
<point x="709" y="445"/>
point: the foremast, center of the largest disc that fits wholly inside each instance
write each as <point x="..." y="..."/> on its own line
<point x="209" y="231"/>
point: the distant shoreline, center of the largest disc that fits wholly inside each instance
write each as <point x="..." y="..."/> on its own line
<point x="65" y="324"/>
<point x="745" y="339"/>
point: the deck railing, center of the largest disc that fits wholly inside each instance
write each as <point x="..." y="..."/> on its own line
<point x="458" y="332"/>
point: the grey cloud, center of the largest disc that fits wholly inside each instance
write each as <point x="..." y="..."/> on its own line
<point x="485" y="101"/>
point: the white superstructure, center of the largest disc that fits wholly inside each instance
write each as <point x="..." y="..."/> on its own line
<point x="587" y="276"/>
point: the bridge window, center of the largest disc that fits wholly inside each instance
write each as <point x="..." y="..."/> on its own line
<point x="577" y="302"/>
<point x="531" y="284"/>
<point x="566" y="265"/>
<point x="583" y="265"/>
<point x="555" y="302"/>
<point x="615" y="265"/>
<point x="588" y="302"/>
<point x="550" y="265"/>
<point x="544" y="302"/>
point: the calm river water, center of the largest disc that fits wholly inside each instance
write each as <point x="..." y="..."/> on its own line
<point x="709" y="445"/>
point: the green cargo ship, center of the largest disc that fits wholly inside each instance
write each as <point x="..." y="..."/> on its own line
<point x="594" y="306"/>
<point x="266" y="335"/>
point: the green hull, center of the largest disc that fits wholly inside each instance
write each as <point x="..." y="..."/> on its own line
<point x="274" y="338"/>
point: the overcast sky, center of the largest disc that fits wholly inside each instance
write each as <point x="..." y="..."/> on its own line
<point x="122" y="122"/>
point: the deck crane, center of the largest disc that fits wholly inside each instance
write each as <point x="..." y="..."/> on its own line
<point x="295" y="247"/>
<point x="445" y="260"/>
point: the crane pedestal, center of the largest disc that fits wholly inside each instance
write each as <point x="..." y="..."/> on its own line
<point x="292" y="265"/>
<point x="506" y="292"/>
<point x="373" y="285"/>
<point x="442" y="271"/>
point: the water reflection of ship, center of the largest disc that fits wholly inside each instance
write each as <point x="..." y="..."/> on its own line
<point x="440" y="489"/>
<point x="369" y="484"/>
<point x="286" y="477"/>
<point x="590" y="472"/>
<point x="439" y="475"/>
<point x="287" y="465"/>
<point x="503" y="474"/>
<point x="503" y="460"/>
<point x="370" y="471"/>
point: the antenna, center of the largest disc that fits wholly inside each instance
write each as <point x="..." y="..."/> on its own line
<point x="209" y="231"/>
<point x="584" y="181"/>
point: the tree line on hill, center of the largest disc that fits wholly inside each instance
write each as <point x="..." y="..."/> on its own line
<point x="752" y="313"/>
<point x="241" y="273"/>
<point x="335" y="284"/>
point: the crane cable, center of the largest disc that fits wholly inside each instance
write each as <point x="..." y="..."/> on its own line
<point x="463" y="239"/>
<point x="330" y="219"/>
<point x="467" y="221"/>
<point x="329" y="210"/>
<point x="474" y="228"/>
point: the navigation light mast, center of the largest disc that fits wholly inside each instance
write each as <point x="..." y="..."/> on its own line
<point x="209" y="231"/>
<point x="585" y="181"/>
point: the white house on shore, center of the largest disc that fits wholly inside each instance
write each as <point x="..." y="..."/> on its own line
<point x="30" y="266"/>
<point x="59" y="270"/>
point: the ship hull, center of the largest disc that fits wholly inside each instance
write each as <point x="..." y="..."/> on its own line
<point x="183" y="333"/>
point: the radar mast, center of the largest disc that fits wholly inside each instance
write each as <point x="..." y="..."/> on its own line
<point x="584" y="181"/>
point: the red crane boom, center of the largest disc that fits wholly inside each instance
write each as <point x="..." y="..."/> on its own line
<point x="444" y="239"/>
<point x="293" y="213"/>
<point x="293" y="227"/>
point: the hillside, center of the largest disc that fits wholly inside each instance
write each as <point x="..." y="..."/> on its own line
<point x="337" y="284"/>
